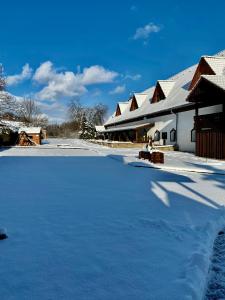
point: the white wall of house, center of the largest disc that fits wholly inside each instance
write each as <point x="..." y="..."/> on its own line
<point x="186" y="124"/>
<point x="163" y="124"/>
<point x="211" y="109"/>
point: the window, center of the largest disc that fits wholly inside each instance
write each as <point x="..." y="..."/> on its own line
<point x="164" y="135"/>
<point x="193" y="135"/>
<point x="157" y="136"/>
<point x="173" y="135"/>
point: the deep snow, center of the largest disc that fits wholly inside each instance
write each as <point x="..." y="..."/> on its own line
<point x="216" y="278"/>
<point x="83" y="225"/>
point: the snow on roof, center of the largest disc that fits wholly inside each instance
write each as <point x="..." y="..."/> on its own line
<point x="129" y="127"/>
<point x="166" y="86"/>
<point x="140" y="98"/>
<point x="123" y="106"/>
<point x="216" y="63"/>
<point x="176" y="97"/>
<point x="99" y="128"/>
<point x="217" y="80"/>
<point x="30" y="130"/>
<point x="13" y="125"/>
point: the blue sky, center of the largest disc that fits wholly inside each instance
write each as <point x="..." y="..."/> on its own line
<point x="101" y="51"/>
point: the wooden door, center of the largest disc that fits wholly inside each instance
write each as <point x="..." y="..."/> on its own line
<point x="210" y="143"/>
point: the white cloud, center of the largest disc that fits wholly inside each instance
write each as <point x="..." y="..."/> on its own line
<point x="56" y="112"/>
<point x="97" y="74"/>
<point x="134" y="77"/>
<point x="120" y="89"/>
<point x="18" y="78"/>
<point x="144" y="32"/>
<point x="69" y="84"/>
<point x="44" y="73"/>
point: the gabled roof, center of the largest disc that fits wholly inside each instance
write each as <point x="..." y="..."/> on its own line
<point x="208" y="65"/>
<point x="166" y="86"/>
<point x="216" y="63"/>
<point x="176" y="98"/>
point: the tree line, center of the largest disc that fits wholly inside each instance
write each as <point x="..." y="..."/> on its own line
<point x="26" y="110"/>
<point x="80" y="121"/>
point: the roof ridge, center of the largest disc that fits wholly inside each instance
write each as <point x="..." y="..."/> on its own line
<point x="141" y="93"/>
<point x="213" y="56"/>
<point x="123" y="102"/>
<point x="166" y="80"/>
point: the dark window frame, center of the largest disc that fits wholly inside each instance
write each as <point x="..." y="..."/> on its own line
<point x="173" y="131"/>
<point x="157" y="133"/>
<point x="193" y="135"/>
<point x="164" y="135"/>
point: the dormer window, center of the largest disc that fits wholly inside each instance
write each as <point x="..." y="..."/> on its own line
<point x="118" y="111"/>
<point x="134" y="104"/>
<point x="162" y="90"/>
<point x="137" y="100"/>
<point x="121" y="107"/>
<point x="158" y="94"/>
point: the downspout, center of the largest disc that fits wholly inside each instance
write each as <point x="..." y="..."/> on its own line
<point x="177" y="119"/>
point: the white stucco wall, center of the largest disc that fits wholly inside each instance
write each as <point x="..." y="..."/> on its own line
<point x="211" y="109"/>
<point x="186" y="124"/>
<point x="163" y="124"/>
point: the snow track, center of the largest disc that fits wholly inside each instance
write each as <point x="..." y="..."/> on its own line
<point x="216" y="282"/>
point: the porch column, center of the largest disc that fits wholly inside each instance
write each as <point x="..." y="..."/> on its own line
<point x="136" y="136"/>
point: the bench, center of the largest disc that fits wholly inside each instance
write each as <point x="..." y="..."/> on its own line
<point x="155" y="157"/>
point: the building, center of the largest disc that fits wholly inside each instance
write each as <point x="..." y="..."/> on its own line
<point x="34" y="134"/>
<point x="175" y="110"/>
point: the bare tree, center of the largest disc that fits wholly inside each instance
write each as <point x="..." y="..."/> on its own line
<point x="2" y="79"/>
<point x="31" y="114"/>
<point x="9" y="106"/>
<point x="75" y="113"/>
<point x="84" y="119"/>
<point x="100" y="112"/>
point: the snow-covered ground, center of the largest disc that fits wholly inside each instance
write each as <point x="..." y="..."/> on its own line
<point x="84" y="222"/>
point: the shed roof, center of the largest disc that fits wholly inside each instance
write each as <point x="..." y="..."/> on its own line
<point x="128" y="127"/>
<point x="30" y="130"/>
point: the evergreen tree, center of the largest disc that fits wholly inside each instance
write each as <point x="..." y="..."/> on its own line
<point x="87" y="129"/>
